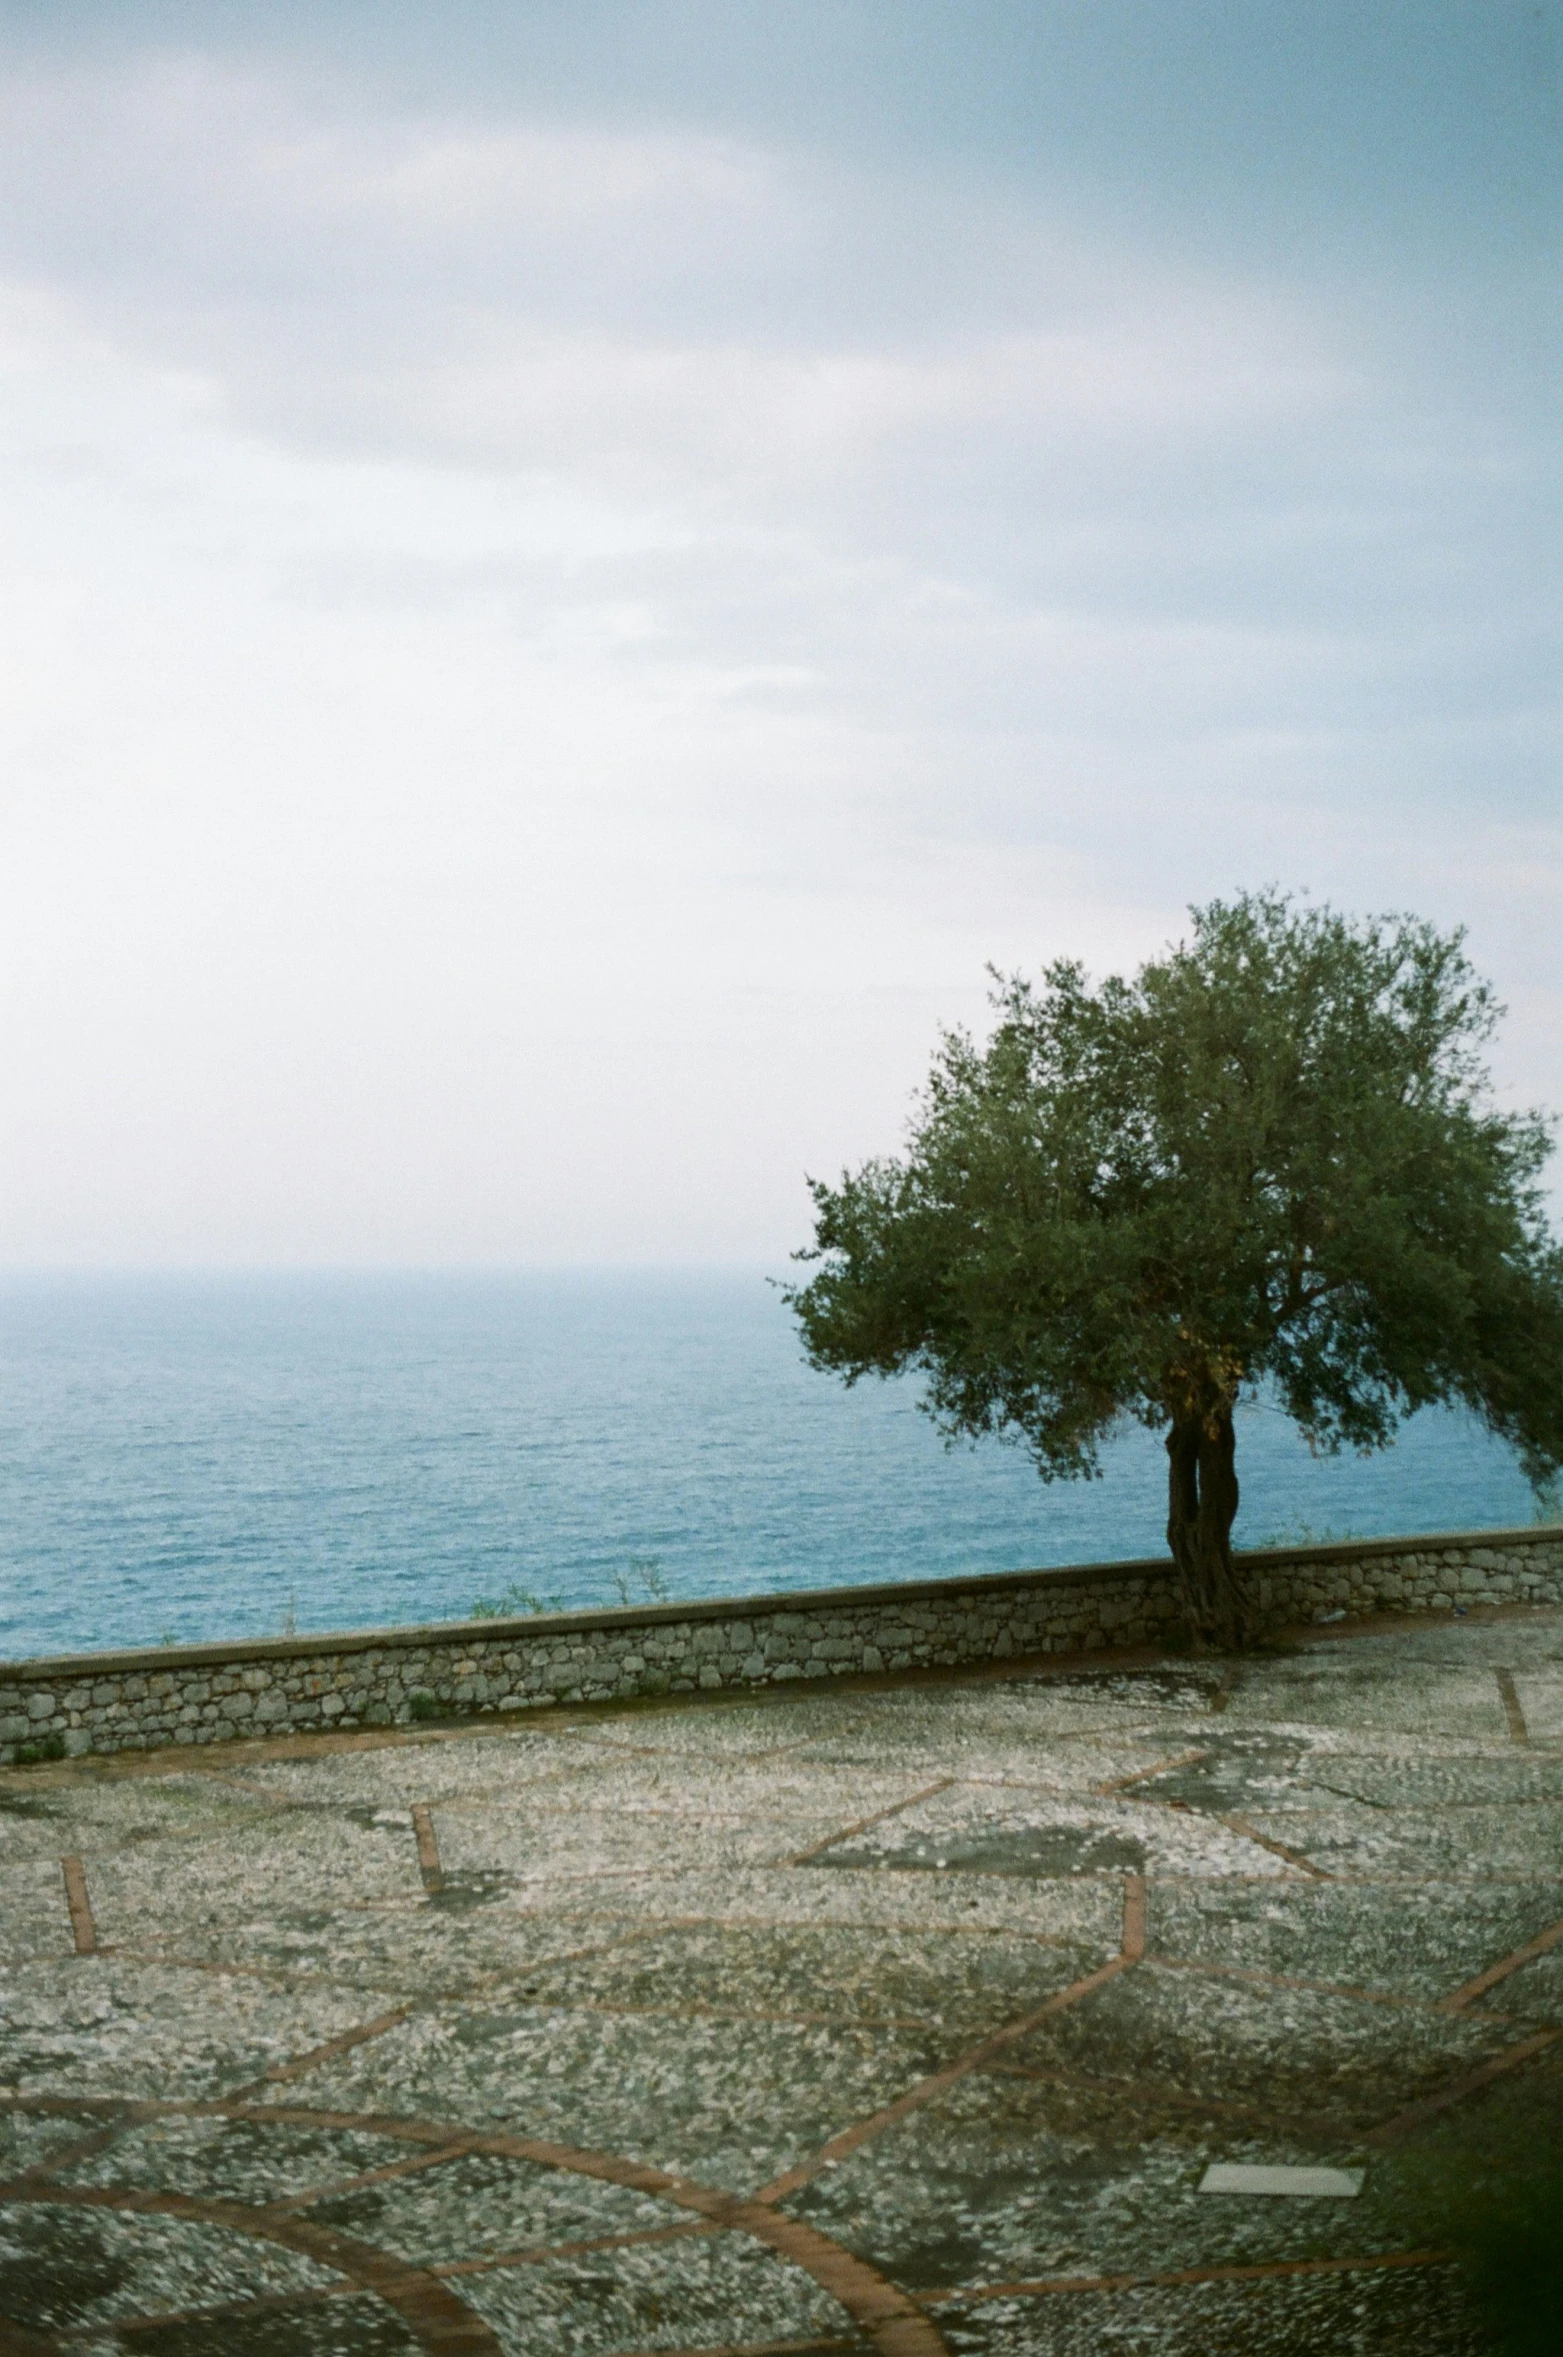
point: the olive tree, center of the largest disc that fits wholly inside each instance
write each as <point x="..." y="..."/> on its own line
<point x="1271" y="1159"/>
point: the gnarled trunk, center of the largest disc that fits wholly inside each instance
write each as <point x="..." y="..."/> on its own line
<point x="1201" y="1507"/>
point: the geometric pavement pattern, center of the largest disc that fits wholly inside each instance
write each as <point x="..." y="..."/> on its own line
<point x="903" y="2016"/>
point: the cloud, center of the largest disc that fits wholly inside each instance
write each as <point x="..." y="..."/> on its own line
<point x="526" y="626"/>
<point x="222" y="212"/>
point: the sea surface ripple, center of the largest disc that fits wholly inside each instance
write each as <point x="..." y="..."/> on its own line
<point x="186" y="1458"/>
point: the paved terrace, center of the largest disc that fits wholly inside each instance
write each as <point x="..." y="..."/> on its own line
<point x="902" y="2017"/>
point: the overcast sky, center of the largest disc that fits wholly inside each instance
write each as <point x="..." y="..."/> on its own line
<point x="573" y="569"/>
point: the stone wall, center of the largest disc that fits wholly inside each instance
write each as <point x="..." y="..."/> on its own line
<point x="382" y="1677"/>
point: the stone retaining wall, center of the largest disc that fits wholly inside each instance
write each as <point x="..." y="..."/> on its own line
<point x="382" y="1677"/>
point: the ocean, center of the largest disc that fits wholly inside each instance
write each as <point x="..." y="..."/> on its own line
<point x="186" y="1458"/>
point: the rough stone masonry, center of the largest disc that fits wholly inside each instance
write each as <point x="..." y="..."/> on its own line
<point x="382" y="1677"/>
<point x="915" y="2015"/>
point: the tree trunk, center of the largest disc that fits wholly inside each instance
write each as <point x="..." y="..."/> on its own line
<point x="1202" y="1506"/>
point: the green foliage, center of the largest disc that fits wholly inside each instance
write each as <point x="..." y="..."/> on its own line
<point x="1512" y="2245"/>
<point x="1300" y="1533"/>
<point x="423" y="1705"/>
<point x="643" y="1581"/>
<point x="511" y="1604"/>
<point x="47" y="1747"/>
<point x="1271" y="1156"/>
<point x="1492" y="2193"/>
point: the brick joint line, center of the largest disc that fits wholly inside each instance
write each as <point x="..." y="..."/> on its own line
<point x="292" y="2203"/>
<point x="896" y="1808"/>
<point x="428" y="1849"/>
<point x="1501" y="1970"/>
<point x="1253" y="1976"/>
<point x="885" y="2315"/>
<point x="239" y="2310"/>
<point x="1279" y="1849"/>
<point x="1389" y="2131"/>
<point x="1150" y="2092"/>
<point x="1512" y="1710"/>
<point x="83" y="1929"/>
<point x="281" y="2072"/>
<point x="850" y="2140"/>
<point x="438" y="2321"/>
<point x="80" y="2148"/>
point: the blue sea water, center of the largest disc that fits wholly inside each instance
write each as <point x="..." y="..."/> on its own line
<point x="207" y="1457"/>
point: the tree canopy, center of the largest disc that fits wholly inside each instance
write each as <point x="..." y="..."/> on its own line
<point x="1272" y="1158"/>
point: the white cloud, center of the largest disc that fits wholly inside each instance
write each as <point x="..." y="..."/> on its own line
<point x="538" y="662"/>
<point x="557" y="292"/>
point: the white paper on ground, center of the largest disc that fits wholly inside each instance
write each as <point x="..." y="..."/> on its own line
<point x="1253" y="2177"/>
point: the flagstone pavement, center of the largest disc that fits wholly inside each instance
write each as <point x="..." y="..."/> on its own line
<point x="903" y="2016"/>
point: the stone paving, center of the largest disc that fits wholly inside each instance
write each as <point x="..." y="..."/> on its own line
<point x="901" y="2017"/>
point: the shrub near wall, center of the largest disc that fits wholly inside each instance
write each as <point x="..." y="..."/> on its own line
<point x="390" y="1677"/>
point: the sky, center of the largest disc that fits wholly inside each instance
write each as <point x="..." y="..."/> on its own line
<point x="572" y="572"/>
